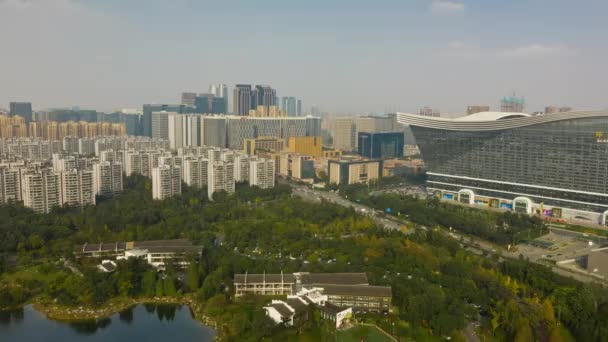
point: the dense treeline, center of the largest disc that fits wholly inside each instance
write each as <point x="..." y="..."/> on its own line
<point x="437" y="286"/>
<point x="499" y="227"/>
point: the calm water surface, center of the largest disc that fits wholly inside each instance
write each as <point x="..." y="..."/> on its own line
<point x="168" y="323"/>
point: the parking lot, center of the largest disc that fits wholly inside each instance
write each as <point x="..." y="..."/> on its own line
<point x="556" y="246"/>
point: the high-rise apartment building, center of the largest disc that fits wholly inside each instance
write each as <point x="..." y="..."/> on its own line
<point x="345" y="134"/>
<point x="13" y="127"/>
<point x="10" y="185"/>
<point x="108" y="178"/>
<point x="261" y="173"/>
<point x="41" y="190"/>
<point x="242" y="99"/>
<point x="195" y="171"/>
<point x="23" y="109"/>
<point x="241" y="167"/>
<point x="160" y="125"/>
<point x="141" y="162"/>
<point x="166" y="181"/>
<point x="512" y="104"/>
<point x="77" y="188"/>
<point x="477" y="109"/>
<point x="221" y="178"/>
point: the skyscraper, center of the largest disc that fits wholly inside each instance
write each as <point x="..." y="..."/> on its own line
<point x="263" y="96"/>
<point x="384" y="145"/>
<point x="188" y="99"/>
<point x="291" y="105"/>
<point x="512" y="104"/>
<point x="23" y="109"/>
<point x="220" y="91"/>
<point x="203" y="103"/>
<point x="242" y="99"/>
<point x="77" y="188"/>
<point x="149" y="108"/>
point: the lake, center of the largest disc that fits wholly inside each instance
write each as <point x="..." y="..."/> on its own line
<point x="145" y="322"/>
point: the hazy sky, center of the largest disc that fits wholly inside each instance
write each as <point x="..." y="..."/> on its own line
<point x="342" y="55"/>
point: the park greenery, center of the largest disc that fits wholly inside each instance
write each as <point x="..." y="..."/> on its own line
<point x="502" y="228"/>
<point x="438" y="286"/>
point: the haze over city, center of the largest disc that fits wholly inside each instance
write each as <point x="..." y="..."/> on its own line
<point x="343" y="56"/>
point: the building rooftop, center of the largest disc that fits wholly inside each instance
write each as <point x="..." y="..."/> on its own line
<point x="333" y="278"/>
<point x="264" y="278"/>
<point x="331" y="308"/>
<point x="296" y="304"/>
<point x="152" y="246"/>
<point x="282" y="309"/>
<point x="597" y="261"/>
<point x="491" y="116"/>
<point x="356" y="290"/>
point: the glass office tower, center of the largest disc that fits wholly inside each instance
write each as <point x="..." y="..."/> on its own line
<point x="553" y="165"/>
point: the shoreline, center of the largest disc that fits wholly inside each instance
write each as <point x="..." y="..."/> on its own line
<point x="115" y="306"/>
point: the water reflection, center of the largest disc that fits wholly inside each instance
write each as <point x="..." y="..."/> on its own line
<point x="89" y="327"/>
<point x="126" y="315"/>
<point x="142" y="322"/>
<point x="15" y="316"/>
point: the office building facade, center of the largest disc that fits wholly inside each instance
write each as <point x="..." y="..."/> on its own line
<point x="23" y="109"/>
<point x="344" y="134"/>
<point x="549" y="165"/>
<point x="242" y="99"/>
<point x="353" y="171"/>
<point x="381" y="145"/>
<point x="310" y="146"/>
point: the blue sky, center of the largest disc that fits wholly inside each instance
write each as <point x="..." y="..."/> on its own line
<point x="346" y="56"/>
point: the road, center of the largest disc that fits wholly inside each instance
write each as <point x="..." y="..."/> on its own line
<point x="316" y="196"/>
<point x="469" y="333"/>
<point x="475" y="245"/>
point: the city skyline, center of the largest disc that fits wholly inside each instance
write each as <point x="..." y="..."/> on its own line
<point x="446" y="54"/>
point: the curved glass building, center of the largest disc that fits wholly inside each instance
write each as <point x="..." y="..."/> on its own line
<point x="553" y="165"/>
